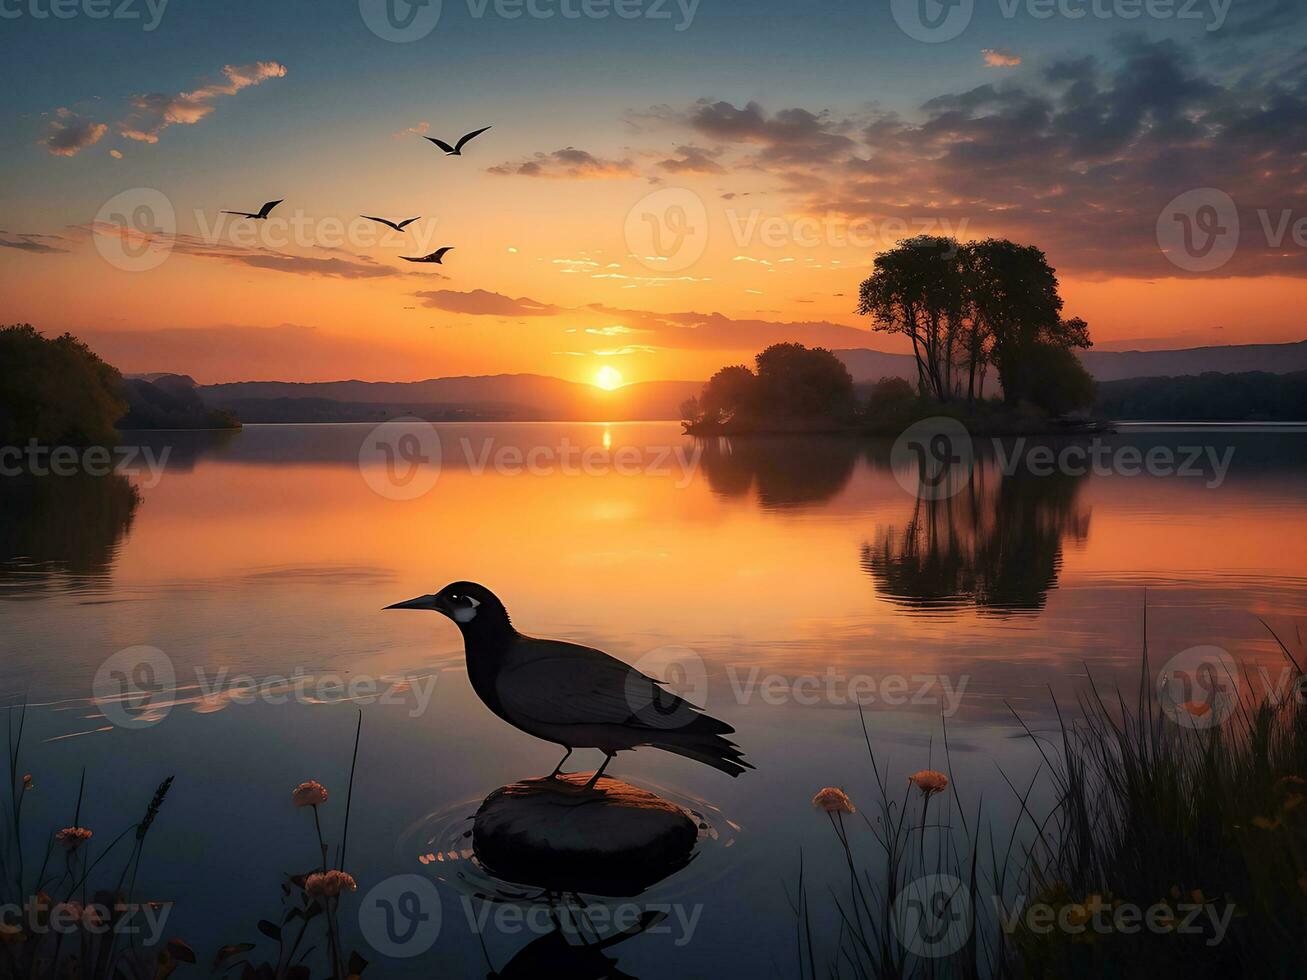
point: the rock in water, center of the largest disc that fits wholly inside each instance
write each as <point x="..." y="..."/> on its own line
<point x="615" y="839"/>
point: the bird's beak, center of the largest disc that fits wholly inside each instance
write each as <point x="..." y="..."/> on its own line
<point x="421" y="602"/>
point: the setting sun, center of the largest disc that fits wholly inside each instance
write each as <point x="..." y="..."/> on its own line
<point x="608" y="378"/>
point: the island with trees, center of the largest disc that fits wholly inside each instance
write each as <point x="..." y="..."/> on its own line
<point x="966" y="308"/>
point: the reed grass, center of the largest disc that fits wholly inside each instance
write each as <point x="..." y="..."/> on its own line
<point x="1204" y="829"/>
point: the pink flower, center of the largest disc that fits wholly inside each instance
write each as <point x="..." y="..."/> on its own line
<point x="312" y="793"/>
<point x="329" y="884"/>
<point x="929" y="782"/>
<point x="72" y="837"/>
<point x="833" y="800"/>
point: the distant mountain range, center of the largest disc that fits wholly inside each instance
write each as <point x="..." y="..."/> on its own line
<point x="534" y="396"/>
<point x="500" y="396"/>
<point x="871" y="365"/>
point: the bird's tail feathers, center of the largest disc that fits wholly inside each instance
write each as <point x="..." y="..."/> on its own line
<point x="710" y="749"/>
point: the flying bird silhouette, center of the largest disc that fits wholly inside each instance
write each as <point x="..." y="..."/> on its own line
<point x="571" y="695"/>
<point x="435" y="256"/>
<point x="262" y="214"/>
<point x="457" y="149"/>
<point x="391" y="224"/>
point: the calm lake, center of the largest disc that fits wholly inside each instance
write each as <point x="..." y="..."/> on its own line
<point x="777" y="582"/>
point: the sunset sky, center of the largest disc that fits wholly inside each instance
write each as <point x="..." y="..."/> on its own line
<point x="784" y="146"/>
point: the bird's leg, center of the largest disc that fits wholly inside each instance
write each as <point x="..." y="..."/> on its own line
<point x="599" y="772"/>
<point x="559" y="768"/>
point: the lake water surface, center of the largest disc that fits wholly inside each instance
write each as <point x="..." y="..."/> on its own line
<point x="775" y="581"/>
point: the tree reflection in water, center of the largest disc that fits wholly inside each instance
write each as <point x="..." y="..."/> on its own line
<point x="996" y="545"/>
<point x="62" y="528"/>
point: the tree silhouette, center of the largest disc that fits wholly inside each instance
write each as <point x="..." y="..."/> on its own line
<point x="56" y="391"/>
<point x="966" y="306"/>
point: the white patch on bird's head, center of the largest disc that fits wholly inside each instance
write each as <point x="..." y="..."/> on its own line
<point x="465" y="614"/>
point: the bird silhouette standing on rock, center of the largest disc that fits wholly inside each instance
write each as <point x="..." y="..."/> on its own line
<point x="571" y="695"/>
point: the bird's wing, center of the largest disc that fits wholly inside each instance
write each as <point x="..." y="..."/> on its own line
<point x="388" y="224"/>
<point x="414" y="258"/>
<point x="473" y="135"/>
<point x="404" y="223"/>
<point x="264" y="211"/>
<point x="440" y="143"/>
<point x="439" y="253"/>
<point x="565" y="684"/>
<point x="243" y="214"/>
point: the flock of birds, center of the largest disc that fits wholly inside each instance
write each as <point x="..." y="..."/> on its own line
<point x="438" y="255"/>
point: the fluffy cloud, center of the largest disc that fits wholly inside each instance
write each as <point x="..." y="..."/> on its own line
<point x="1000" y="58"/>
<point x="32" y="242"/>
<point x="693" y="160"/>
<point x="481" y="302"/>
<point x="568" y="163"/>
<point x="154" y="112"/>
<point x="68" y="134"/>
<point x="792" y="135"/>
<point x="1082" y="161"/>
